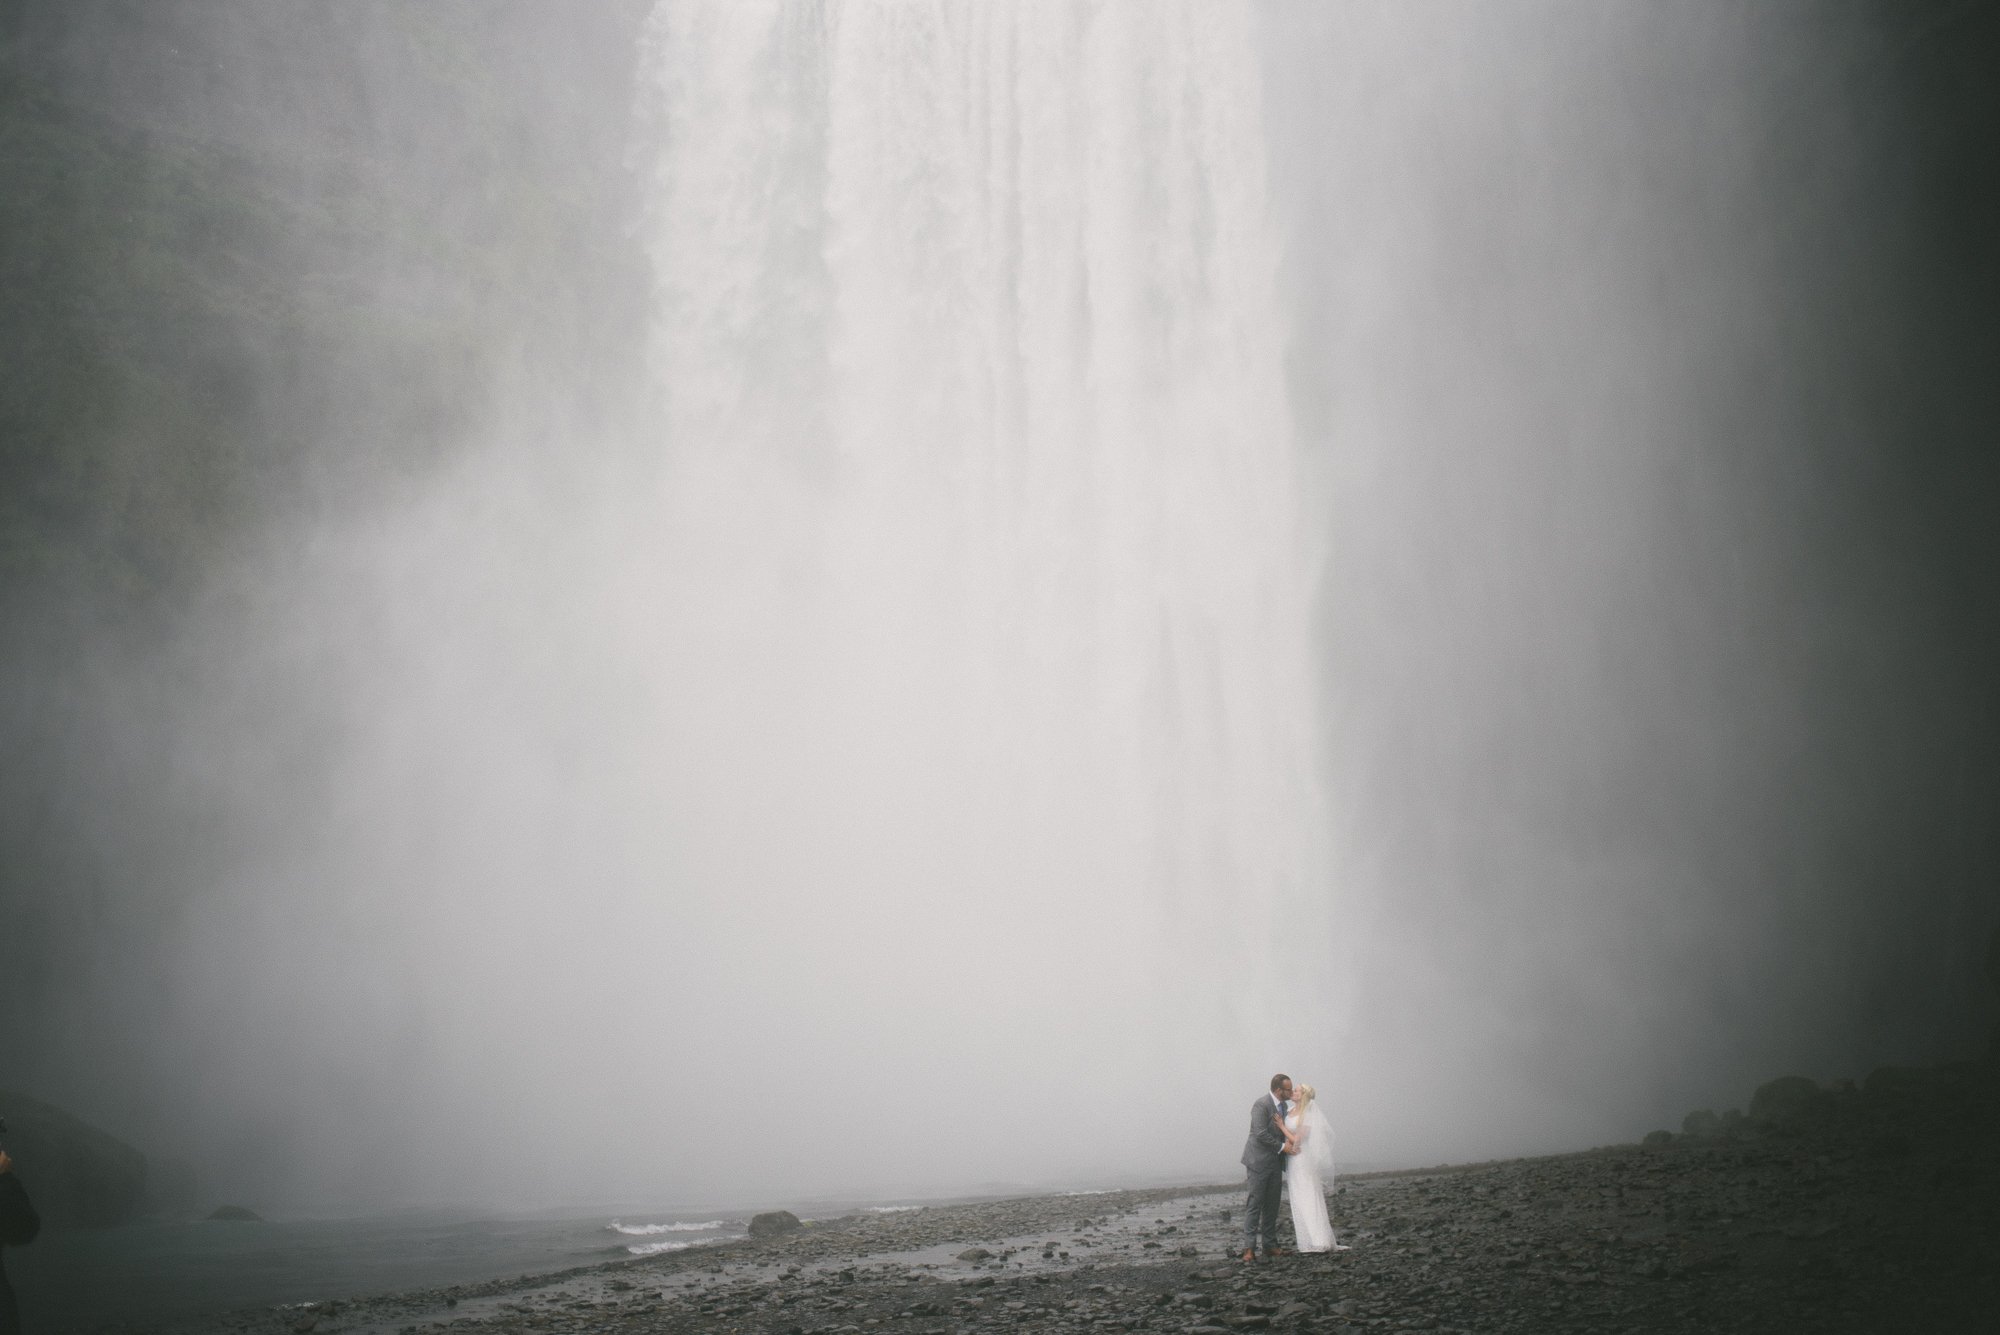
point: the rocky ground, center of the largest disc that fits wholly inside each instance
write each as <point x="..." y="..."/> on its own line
<point x="1873" y="1208"/>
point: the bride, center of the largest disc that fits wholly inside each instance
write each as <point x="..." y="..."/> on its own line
<point x="1308" y="1170"/>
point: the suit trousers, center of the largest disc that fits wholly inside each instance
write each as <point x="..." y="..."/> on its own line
<point x="10" y="1315"/>
<point x="1261" y="1209"/>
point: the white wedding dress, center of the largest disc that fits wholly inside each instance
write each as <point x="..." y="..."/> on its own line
<point x="1307" y="1175"/>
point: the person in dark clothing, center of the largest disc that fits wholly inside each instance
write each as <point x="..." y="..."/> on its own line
<point x="1264" y="1158"/>
<point x="18" y="1225"/>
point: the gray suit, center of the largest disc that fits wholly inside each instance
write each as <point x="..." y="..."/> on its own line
<point x="1264" y="1158"/>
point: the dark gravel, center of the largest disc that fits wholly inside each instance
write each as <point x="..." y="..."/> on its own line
<point x="1860" y="1209"/>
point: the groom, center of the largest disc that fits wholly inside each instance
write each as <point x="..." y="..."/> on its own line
<point x="1264" y="1156"/>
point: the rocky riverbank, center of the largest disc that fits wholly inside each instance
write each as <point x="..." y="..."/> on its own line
<point x="1861" y="1208"/>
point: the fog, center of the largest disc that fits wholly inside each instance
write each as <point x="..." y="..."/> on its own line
<point x="1137" y="547"/>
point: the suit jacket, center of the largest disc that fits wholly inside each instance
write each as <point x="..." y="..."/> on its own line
<point x="1264" y="1151"/>
<point x="18" y="1221"/>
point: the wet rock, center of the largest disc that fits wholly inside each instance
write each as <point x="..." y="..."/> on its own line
<point x="974" y="1254"/>
<point x="1785" y="1100"/>
<point x="1706" y="1264"/>
<point x="773" y="1223"/>
<point x="236" y="1213"/>
<point x="1701" y="1124"/>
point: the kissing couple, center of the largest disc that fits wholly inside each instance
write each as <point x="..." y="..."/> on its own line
<point x="1290" y="1145"/>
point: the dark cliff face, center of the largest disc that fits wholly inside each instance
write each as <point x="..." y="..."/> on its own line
<point x="263" y="263"/>
<point x="77" y="1174"/>
<point x="1760" y="661"/>
<point x="265" y="253"/>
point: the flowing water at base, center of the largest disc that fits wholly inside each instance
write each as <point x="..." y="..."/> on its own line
<point x="76" y="1279"/>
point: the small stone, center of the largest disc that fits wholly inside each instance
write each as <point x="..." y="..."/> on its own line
<point x="976" y="1254"/>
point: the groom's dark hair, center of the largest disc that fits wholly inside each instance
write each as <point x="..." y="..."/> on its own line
<point x="1278" y="1082"/>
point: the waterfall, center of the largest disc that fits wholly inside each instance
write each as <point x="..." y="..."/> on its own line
<point x="985" y="566"/>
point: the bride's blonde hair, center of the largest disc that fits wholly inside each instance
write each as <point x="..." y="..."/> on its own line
<point x="1306" y="1095"/>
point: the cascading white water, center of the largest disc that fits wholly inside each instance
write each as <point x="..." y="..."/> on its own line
<point x="984" y="594"/>
<point x="903" y="777"/>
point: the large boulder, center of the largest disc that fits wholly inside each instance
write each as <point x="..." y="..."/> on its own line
<point x="1701" y="1124"/>
<point x="1904" y="1082"/>
<point x="1789" y="1098"/>
<point x="74" y="1173"/>
<point x="235" y="1214"/>
<point x="772" y="1223"/>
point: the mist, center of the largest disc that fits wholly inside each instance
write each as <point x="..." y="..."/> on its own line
<point x="1057" y="562"/>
